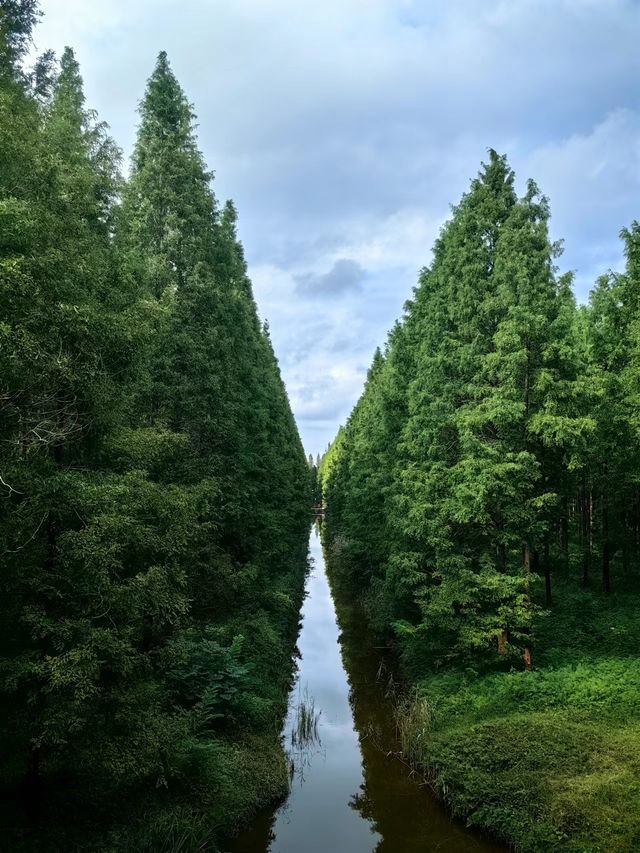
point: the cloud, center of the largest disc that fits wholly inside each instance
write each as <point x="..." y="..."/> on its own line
<point x="593" y="180"/>
<point x="344" y="276"/>
<point x="345" y="130"/>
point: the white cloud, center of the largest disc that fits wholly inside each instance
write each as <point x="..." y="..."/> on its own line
<point x="344" y="130"/>
<point x="593" y="180"/>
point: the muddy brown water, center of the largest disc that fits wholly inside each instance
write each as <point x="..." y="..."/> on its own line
<point x="349" y="793"/>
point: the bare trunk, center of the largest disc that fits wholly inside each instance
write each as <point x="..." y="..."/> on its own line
<point x="564" y="534"/>
<point x="526" y="561"/>
<point x="33" y="786"/>
<point x="625" y="558"/>
<point x="503" y="638"/>
<point x="546" y="565"/>
<point x="526" y="379"/>
<point x="587" y="527"/>
<point x="606" y="545"/>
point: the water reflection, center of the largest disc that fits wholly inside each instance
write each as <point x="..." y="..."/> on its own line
<point x="304" y="739"/>
<point x="405" y="814"/>
<point x="317" y="816"/>
<point x="349" y="791"/>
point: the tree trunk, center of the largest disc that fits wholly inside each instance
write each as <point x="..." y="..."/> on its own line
<point x="503" y="638"/>
<point x="625" y="558"/>
<point x="587" y="527"/>
<point x="546" y="565"/>
<point x="526" y="562"/>
<point x="33" y="787"/>
<point x="606" y="546"/>
<point x="535" y="562"/>
<point x="564" y="533"/>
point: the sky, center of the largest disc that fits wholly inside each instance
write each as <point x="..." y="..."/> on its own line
<point x="344" y="130"/>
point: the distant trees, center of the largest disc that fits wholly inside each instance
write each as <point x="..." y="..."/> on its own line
<point x="314" y="479"/>
<point x="495" y="443"/>
<point x="154" y="492"/>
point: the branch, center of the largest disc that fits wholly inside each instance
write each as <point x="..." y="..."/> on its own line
<point x="12" y="491"/>
<point x="30" y="539"/>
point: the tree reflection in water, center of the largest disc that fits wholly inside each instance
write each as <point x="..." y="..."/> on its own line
<point x="355" y="794"/>
<point x="397" y="802"/>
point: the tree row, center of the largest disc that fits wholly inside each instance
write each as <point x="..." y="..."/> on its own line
<point x="154" y="492"/>
<point x="492" y="461"/>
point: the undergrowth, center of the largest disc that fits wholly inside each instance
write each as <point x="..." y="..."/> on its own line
<point x="547" y="760"/>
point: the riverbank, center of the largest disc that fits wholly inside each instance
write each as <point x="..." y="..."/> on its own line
<point x="547" y="760"/>
<point x="350" y="791"/>
<point x="247" y="766"/>
<point x="229" y="768"/>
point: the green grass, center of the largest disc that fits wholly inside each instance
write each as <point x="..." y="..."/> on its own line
<point x="547" y="760"/>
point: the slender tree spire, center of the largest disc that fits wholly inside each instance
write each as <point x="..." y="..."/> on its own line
<point x="17" y="20"/>
<point x="169" y="209"/>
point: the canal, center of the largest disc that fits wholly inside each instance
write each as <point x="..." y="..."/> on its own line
<point x="349" y="791"/>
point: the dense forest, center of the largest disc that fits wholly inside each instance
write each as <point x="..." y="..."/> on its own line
<point x="484" y="500"/>
<point x="480" y="509"/>
<point x="154" y="493"/>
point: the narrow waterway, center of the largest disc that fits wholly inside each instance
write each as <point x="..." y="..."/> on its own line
<point x="349" y="794"/>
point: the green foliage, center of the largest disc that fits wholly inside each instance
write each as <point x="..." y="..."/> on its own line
<point x="17" y="19"/>
<point x="154" y="492"/>
<point x="448" y="451"/>
<point x="486" y="482"/>
<point x="549" y="759"/>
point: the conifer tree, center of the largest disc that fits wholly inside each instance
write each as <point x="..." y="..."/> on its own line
<point x="610" y="483"/>
<point x="477" y="416"/>
<point x="168" y="205"/>
<point x="212" y="353"/>
<point x="72" y="349"/>
<point x="17" y="20"/>
<point x="142" y="412"/>
<point x="439" y="518"/>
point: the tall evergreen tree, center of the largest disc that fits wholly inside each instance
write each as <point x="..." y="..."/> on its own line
<point x="464" y="458"/>
<point x="153" y="490"/>
<point x="17" y="19"/>
<point x="72" y="348"/>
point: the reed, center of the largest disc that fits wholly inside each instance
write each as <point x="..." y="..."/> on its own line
<point x="305" y="728"/>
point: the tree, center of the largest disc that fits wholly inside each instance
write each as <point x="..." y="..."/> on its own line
<point x="153" y="491"/>
<point x="461" y="445"/>
<point x="17" y="19"/>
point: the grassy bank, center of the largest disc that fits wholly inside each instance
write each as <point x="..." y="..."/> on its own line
<point x="550" y="759"/>
<point x="251" y="773"/>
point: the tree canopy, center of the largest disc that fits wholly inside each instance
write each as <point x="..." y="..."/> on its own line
<point x="154" y="496"/>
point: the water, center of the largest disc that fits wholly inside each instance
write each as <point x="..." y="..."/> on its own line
<point x="350" y="793"/>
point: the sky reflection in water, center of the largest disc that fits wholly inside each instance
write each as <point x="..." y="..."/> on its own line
<point x="348" y="795"/>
